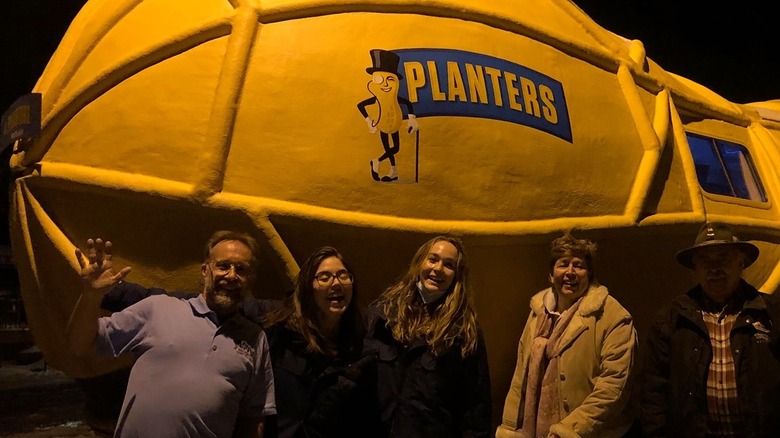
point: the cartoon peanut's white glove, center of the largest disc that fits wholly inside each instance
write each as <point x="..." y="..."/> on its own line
<point x="371" y="127"/>
<point x="411" y="124"/>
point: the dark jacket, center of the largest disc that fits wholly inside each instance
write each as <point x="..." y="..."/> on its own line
<point x="316" y="396"/>
<point x="422" y="395"/>
<point x="674" y="402"/>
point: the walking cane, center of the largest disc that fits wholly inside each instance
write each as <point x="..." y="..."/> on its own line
<point x="417" y="156"/>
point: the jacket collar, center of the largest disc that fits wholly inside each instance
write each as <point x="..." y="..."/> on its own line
<point x="693" y="300"/>
<point x="376" y="318"/>
<point x="592" y="301"/>
<point x="689" y="305"/>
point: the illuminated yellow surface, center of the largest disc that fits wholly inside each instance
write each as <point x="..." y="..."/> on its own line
<point x="166" y="120"/>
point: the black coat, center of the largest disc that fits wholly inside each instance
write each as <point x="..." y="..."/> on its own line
<point x="674" y="401"/>
<point x="428" y="396"/>
<point x="317" y="396"/>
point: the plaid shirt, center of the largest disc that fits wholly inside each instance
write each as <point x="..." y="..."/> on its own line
<point x="722" y="404"/>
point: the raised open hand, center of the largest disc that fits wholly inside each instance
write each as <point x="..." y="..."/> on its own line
<point x="98" y="274"/>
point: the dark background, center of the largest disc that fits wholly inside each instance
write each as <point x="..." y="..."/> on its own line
<point x="727" y="49"/>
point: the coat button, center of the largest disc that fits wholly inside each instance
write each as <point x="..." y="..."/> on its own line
<point x="563" y="377"/>
<point x="213" y="348"/>
<point x="566" y="406"/>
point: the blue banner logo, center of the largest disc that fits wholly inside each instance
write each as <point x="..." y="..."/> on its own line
<point x="444" y="82"/>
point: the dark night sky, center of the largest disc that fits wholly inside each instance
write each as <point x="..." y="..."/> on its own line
<point x="31" y="30"/>
<point x="729" y="50"/>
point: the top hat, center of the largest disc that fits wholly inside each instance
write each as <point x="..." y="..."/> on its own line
<point x="712" y="234"/>
<point x="384" y="60"/>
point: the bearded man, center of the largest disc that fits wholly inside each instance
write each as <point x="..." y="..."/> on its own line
<point x="201" y="369"/>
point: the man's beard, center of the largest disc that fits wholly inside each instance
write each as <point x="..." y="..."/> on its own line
<point x="223" y="302"/>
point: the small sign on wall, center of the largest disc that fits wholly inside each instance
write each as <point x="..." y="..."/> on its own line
<point x="22" y="120"/>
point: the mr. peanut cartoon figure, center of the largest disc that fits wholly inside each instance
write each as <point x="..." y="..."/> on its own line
<point x="384" y="87"/>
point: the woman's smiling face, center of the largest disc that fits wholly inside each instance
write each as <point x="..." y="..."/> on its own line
<point x="569" y="279"/>
<point x="332" y="286"/>
<point x="439" y="267"/>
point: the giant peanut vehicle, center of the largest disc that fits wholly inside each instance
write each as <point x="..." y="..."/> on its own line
<point x="371" y="126"/>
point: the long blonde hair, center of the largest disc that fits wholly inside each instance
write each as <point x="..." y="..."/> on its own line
<point x="452" y="318"/>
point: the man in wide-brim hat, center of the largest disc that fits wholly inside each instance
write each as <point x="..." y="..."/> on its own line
<point x="718" y="258"/>
<point x="717" y="235"/>
<point x="712" y="365"/>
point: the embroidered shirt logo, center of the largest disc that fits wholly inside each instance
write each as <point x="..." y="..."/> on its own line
<point x="760" y="327"/>
<point x="245" y="350"/>
<point x="762" y="336"/>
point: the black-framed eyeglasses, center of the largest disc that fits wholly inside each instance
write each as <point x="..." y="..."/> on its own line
<point x="325" y="278"/>
<point x="223" y="267"/>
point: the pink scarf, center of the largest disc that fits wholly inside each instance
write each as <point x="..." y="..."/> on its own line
<point x="541" y="393"/>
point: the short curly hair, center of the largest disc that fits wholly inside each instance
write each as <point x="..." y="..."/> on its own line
<point x="569" y="246"/>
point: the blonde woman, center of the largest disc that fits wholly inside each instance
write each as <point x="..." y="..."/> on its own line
<point x="433" y="378"/>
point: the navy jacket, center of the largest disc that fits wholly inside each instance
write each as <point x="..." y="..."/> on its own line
<point x="426" y="396"/>
<point x="318" y="396"/>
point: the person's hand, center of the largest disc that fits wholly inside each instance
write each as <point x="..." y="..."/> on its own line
<point x="98" y="275"/>
<point x="370" y="123"/>
<point x="412" y="125"/>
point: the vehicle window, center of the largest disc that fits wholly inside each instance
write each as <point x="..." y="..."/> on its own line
<point x="725" y="168"/>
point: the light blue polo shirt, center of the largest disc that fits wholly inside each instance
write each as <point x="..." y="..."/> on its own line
<point x="191" y="378"/>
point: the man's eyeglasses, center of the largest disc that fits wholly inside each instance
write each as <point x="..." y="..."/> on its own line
<point x="325" y="278"/>
<point x="223" y="267"/>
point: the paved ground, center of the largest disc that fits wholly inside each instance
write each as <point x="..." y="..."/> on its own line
<point x="40" y="402"/>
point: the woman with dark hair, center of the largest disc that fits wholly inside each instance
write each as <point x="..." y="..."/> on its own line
<point x="433" y="378"/>
<point x="576" y="355"/>
<point x="324" y="378"/>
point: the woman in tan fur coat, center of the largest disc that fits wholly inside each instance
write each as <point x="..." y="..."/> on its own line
<point x="575" y="356"/>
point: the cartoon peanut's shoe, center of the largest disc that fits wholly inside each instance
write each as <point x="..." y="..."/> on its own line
<point x="393" y="176"/>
